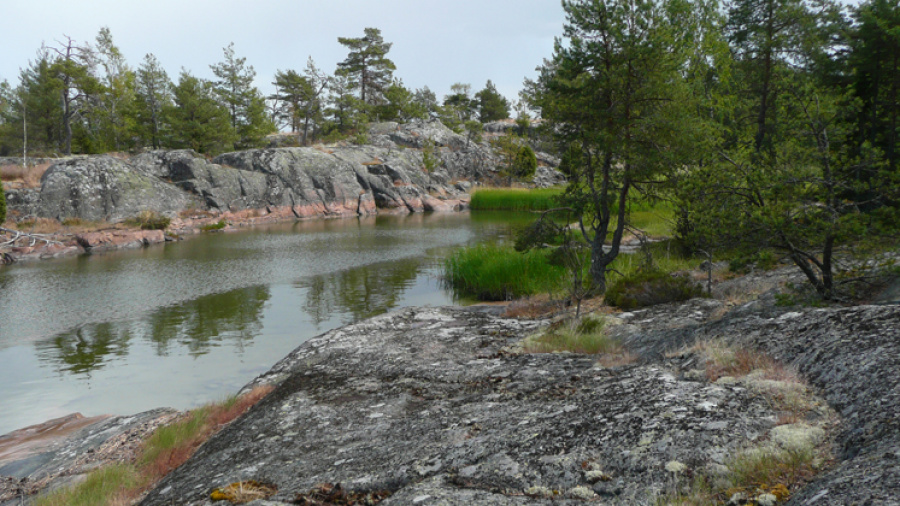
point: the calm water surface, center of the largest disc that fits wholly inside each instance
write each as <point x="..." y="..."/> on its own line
<point x="185" y="323"/>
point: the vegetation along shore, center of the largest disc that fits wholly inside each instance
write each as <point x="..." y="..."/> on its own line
<point x="703" y="308"/>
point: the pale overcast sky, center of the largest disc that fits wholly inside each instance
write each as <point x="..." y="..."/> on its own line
<point x="436" y="42"/>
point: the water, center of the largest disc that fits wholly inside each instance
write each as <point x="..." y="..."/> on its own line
<point x="186" y="323"/>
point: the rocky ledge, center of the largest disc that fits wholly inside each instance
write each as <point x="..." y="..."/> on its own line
<point x="439" y="406"/>
<point x="435" y="406"/>
<point x="387" y="175"/>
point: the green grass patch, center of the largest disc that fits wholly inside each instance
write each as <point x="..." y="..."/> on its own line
<point x="653" y="220"/>
<point x="101" y="487"/>
<point x="175" y="435"/>
<point x="167" y="448"/>
<point x="666" y="257"/>
<point x="499" y="272"/>
<point x="515" y="199"/>
<point x="585" y="336"/>
<point x="219" y="225"/>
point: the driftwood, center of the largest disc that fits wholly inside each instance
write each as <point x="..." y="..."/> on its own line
<point x="15" y="236"/>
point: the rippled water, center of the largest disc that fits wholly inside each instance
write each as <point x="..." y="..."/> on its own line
<point x="184" y="323"/>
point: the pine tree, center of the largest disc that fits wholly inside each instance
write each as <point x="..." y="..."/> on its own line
<point x="614" y="91"/>
<point x="459" y="106"/>
<point x="115" y="100"/>
<point x="367" y="65"/>
<point x="198" y="121"/>
<point x="492" y="106"/>
<point x="291" y="90"/>
<point x="875" y="66"/>
<point x="71" y="68"/>
<point x="246" y="105"/>
<point x="39" y="91"/>
<point x="153" y="95"/>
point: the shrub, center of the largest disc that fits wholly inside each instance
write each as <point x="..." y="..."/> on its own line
<point x="149" y="220"/>
<point x="430" y="158"/>
<point x="219" y="225"/>
<point x="650" y="286"/>
<point x="525" y="163"/>
<point x="496" y="272"/>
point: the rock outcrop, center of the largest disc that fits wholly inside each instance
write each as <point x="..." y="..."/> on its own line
<point x="39" y="457"/>
<point x="434" y="407"/>
<point x="103" y="188"/>
<point x="342" y="180"/>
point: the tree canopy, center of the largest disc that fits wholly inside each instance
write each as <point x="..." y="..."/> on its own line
<point x="367" y="65"/>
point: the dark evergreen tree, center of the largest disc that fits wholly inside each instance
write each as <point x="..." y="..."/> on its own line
<point x="291" y="89"/>
<point x="614" y="91"/>
<point x="875" y="67"/>
<point x="367" y="65"/>
<point x="246" y="105"/>
<point x="198" y="121"/>
<point x="71" y="67"/>
<point x="113" y="111"/>
<point x="153" y="94"/>
<point x="491" y="105"/>
<point x="40" y="112"/>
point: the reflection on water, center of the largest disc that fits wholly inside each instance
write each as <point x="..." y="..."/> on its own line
<point x="196" y="326"/>
<point x="359" y="293"/>
<point x="86" y="348"/>
<point x="184" y="323"/>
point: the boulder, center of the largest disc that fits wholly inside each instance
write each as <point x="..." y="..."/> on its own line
<point x="104" y="188"/>
<point x="116" y="239"/>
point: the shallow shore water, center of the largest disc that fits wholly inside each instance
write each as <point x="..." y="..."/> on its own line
<point x="180" y="324"/>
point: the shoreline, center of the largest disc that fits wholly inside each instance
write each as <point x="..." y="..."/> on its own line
<point x="117" y="236"/>
<point x="460" y="367"/>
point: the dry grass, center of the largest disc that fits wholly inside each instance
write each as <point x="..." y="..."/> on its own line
<point x="532" y="307"/>
<point x="172" y="445"/>
<point x="67" y="226"/>
<point x="27" y="177"/>
<point x="725" y="360"/>
<point x="242" y="492"/>
<point x="168" y="447"/>
<point x="196" y="213"/>
<point x="585" y="336"/>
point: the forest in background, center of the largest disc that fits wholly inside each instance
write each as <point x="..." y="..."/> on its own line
<point x="82" y="97"/>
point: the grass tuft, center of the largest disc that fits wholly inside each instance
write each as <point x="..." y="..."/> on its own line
<point x="586" y="336"/>
<point x="104" y="486"/>
<point x="497" y="272"/>
<point x="219" y="225"/>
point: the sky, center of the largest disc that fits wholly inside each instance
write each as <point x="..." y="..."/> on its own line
<point x="435" y="42"/>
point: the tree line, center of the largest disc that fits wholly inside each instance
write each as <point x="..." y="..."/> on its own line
<point x="83" y="97"/>
<point x="769" y="124"/>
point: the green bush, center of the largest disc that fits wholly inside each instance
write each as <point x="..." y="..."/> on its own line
<point x="495" y="272"/>
<point x="765" y="260"/>
<point x="650" y="286"/>
<point x="219" y="225"/>
<point x="525" y="163"/>
<point x="515" y="199"/>
<point x="149" y="220"/>
<point x="2" y="204"/>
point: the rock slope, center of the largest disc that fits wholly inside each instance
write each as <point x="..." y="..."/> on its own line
<point x="388" y="174"/>
<point x="430" y="405"/>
